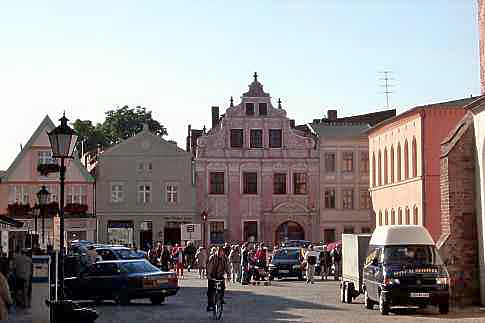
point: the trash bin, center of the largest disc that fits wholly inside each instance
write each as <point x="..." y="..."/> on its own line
<point x="68" y="311"/>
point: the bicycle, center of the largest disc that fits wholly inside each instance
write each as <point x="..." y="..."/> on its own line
<point x="217" y="300"/>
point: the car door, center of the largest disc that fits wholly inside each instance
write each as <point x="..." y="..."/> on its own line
<point x="371" y="273"/>
<point x="89" y="283"/>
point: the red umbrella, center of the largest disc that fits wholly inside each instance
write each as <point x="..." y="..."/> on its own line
<point x="333" y="245"/>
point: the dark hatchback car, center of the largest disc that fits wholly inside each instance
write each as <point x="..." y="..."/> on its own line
<point x="122" y="280"/>
<point x="286" y="263"/>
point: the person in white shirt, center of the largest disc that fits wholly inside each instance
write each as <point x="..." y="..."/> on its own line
<point x="310" y="260"/>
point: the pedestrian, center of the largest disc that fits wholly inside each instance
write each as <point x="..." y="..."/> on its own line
<point x="325" y="263"/>
<point x="190" y="255"/>
<point x="5" y="294"/>
<point x="310" y="259"/>
<point x="201" y="258"/>
<point x="179" y="261"/>
<point x="217" y="266"/>
<point x="23" y="275"/>
<point x="336" y="259"/>
<point x="164" y="258"/>
<point x="245" y="258"/>
<point x="235" y="263"/>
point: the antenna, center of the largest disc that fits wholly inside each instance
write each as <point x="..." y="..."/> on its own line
<point x="386" y="84"/>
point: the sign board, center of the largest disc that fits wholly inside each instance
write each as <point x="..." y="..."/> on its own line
<point x="191" y="231"/>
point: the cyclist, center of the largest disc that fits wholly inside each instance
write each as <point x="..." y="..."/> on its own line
<point x="216" y="268"/>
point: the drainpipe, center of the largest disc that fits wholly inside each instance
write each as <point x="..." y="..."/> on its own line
<point x="422" y="114"/>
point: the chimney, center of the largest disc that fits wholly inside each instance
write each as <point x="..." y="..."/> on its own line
<point x="332" y="115"/>
<point x="292" y="123"/>
<point x="215" y="116"/>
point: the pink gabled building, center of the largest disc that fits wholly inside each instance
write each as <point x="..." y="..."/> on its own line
<point x="256" y="175"/>
<point x="20" y="184"/>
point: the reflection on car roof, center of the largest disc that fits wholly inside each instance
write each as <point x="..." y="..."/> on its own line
<point x="120" y="260"/>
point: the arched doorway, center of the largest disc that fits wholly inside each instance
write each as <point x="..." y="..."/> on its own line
<point x="290" y="230"/>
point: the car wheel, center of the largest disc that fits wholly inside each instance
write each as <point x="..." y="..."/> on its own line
<point x="444" y="308"/>
<point x="122" y="299"/>
<point x="342" y="293"/>
<point x="367" y="301"/>
<point x="157" y="300"/>
<point x="383" y="306"/>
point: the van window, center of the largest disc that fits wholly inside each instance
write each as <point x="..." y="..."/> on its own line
<point x="412" y="254"/>
<point x="372" y="255"/>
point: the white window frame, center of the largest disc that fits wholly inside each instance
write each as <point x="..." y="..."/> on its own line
<point x="117" y="195"/>
<point x="172" y="196"/>
<point x="144" y="196"/>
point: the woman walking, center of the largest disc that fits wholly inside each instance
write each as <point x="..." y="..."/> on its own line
<point x="201" y="258"/>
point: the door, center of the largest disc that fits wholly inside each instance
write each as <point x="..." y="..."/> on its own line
<point x="371" y="273"/>
<point x="146" y="240"/>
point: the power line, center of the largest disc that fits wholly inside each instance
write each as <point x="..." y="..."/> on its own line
<point x="386" y="85"/>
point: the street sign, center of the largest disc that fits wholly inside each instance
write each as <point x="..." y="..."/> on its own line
<point x="190" y="232"/>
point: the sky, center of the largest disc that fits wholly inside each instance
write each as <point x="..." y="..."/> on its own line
<point x="179" y="58"/>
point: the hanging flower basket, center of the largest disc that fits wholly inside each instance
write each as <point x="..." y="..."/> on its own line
<point x="46" y="169"/>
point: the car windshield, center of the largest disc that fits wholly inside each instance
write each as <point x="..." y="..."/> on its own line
<point x="138" y="267"/>
<point x="128" y="254"/>
<point x="411" y="254"/>
<point x="286" y="254"/>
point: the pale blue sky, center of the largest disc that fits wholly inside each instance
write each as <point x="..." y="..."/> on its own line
<point x="178" y="58"/>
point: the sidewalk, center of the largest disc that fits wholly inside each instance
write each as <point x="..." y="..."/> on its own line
<point x="20" y="315"/>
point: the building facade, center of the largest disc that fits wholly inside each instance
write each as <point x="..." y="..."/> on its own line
<point x="23" y="179"/>
<point x="405" y="165"/>
<point x="343" y="145"/>
<point x="257" y="176"/>
<point x="144" y="190"/>
<point x="481" y="29"/>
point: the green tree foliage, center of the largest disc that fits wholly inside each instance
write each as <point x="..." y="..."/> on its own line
<point x="119" y="124"/>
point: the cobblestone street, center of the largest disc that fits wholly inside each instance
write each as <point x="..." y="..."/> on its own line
<point x="283" y="301"/>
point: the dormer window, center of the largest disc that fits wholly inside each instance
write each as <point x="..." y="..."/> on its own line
<point x="250" y="109"/>
<point x="263" y="109"/>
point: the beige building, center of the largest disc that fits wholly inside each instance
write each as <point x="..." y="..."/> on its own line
<point x="343" y="147"/>
<point x="144" y="191"/>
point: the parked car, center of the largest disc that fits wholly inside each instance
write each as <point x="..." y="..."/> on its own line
<point x="296" y="243"/>
<point x="404" y="268"/>
<point x="122" y="281"/>
<point x="285" y="262"/>
<point x="119" y="253"/>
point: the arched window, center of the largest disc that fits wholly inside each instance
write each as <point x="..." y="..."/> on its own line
<point x="380" y="218"/>
<point x="392" y="164"/>
<point x="415" y="158"/>
<point x="393" y="214"/>
<point x="415" y="215"/>
<point x="379" y="168"/>
<point x="393" y="217"/>
<point x="386" y="219"/>
<point x="408" y="217"/>
<point x="406" y="160"/>
<point x="398" y="162"/>
<point x="373" y="170"/>
<point x="399" y="216"/>
<point x="386" y="179"/>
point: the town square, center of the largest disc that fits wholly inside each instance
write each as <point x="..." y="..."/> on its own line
<point x="273" y="161"/>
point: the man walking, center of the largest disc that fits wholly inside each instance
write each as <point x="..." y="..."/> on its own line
<point x="310" y="260"/>
<point x="235" y="260"/>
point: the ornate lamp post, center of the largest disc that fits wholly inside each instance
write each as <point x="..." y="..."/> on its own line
<point x="43" y="197"/>
<point x="63" y="141"/>
<point x="203" y="218"/>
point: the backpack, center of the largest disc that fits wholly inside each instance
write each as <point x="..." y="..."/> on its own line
<point x="312" y="260"/>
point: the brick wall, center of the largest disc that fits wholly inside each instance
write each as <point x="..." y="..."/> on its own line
<point x="458" y="244"/>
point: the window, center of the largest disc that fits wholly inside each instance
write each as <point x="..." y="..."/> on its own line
<point x="364" y="199"/>
<point x="299" y="183"/>
<point x="76" y="194"/>
<point x="398" y="162"/>
<point x="373" y="170"/>
<point x="415" y="215"/>
<point x="171" y="191"/>
<point x="330" y="162"/>
<point x="348" y="161"/>
<point x="328" y="235"/>
<point x="216" y="231"/>
<point x="348" y="199"/>
<point x="364" y="162"/>
<point x="386" y="179"/>
<point x="386" y="219"/>
<point x="392" y="164"/>
<point x="256" y="138"/>
<point x="348" y="229"/>
<point x="330" y="198"/>
<point x="379" y="169"/>
<point x="393" y="217"/>
<point x="117" y="192"/>
<point x="408" y="217"/>
<point x="279" y="183"/>
<point x="399" y="216"/>
<point x="144" y="193"/>
<point x="250" y="109"/>
<point x="19" y="194"/>
<point x="237" y="138"/>
<point x="406" y="160"/>
<point x="250" y="183"/>
<point x="217" y="183"/>
<point x="415" y="158"/>
<point x="275" y="138"/>
<point x="45" y="157"/>
<point x="365" y="230"/>
<point x="380" y="218"/>
<point x="250" y="231"/>
<point x="263" y="109"/>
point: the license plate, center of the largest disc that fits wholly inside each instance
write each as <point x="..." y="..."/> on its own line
<point x="424" y="295"/>
<point x="284" y="271"/>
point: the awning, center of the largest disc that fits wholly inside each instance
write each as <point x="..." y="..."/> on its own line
<point x="6" y="220"/>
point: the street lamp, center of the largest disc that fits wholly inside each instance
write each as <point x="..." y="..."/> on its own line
<point x="203" y="218"/>
<point x="63" y="141"/>
<point x="43" y="197"/>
